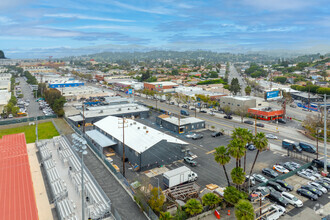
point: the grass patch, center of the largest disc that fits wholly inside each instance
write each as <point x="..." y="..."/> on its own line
<point x="46" y="130"/>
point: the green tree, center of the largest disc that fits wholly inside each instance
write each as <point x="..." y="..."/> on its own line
<point x="168" y="97"/>
<point x="244" y="210"/>
<point x="238" y="176"/>
<point x="233" y="195"/>
<point x="245" y="136"/>
<point x="214" y="74"/>
<point x="165" y="216"/>
<point x="236" y="149"/>
<point x="260" y="142"/>
<point x="180" y="214"/>
<point x="156" y="201"/>
<point x="226" y="110"/>
<point x="235" y="86"/>
<point x="248" y="90"/>
<point x="211" y="200"/>
<point x="222" y="157"/>
<point x="193" y="207"/>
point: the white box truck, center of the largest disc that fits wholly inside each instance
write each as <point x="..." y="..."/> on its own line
<point x="178" y="176"/>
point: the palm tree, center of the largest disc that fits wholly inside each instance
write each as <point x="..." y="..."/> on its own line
<point x="245" y="136"/>
<point x="244" y="210"/>
<point x="222" y="157"/>
<point x="210" y="199"/>
<point x="193" y="207"/>
<point x="165" y="216"/>
<point x="238" y="176"/>
<point x="260" y="142"/>
<point x="236" y="149"/>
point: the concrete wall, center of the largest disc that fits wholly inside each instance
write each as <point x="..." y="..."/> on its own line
<point x="236" y="104"/>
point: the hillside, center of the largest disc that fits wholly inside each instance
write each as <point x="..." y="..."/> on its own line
<point x="2" y="55"/>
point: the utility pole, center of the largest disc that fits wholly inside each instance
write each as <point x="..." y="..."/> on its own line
<point x="317" y="143"/>
<point x="325" y="135"/>
<point x="119" y="123"/>
<point x="83" y="118"/>
<point x="179" y="123"/>
<point x="255" y="125"/>
<point x="309" y="96"/>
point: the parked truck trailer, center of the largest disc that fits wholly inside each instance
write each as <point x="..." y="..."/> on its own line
<point x="178" y="176"/>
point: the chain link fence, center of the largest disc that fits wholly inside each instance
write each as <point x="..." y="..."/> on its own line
<point x="27" y="119"/>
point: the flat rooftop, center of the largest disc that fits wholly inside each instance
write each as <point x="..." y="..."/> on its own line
<point x="139" y="137"/>
<point x="183" y="121"/>
<point x="16" y="189"/>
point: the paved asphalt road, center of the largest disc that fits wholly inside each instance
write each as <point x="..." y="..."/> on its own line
<point x="234" y="74"/>
<point x="33" y="108"/>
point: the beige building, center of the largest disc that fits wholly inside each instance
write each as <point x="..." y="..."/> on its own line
<point x="238" y="102"/>
<point x="4" y="99"/>
<point x="76" y="93"/>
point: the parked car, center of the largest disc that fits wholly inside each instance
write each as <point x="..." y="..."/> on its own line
<point x="228" y="117"/>
<point x="312" y="189"/>
<point x="260" y="178"/>
<point x="307" y="194"/>
<point x="249" y="122"/>
<point x="318" y="186"/>
<point x="184" y="106"/>
<point x="276" y="186"/>
<point x="314" y="173"/>
<point x="306" y="175"/>
<point x="280" y="169"/>
<point x="292" y="199"/>
<point x="323" y="183"/>
<point x="307" y="147"/>
<point x="325" y="179"/>
<point x="190" y="161"/>
<point x="197" y="136"/>
<point x="190" y="135"/>
<point x="10" y="116"/>
<point x="252" y="180"/>
<point x="250" y="147"/>
<point x="281" y="120"/>
<point x="296" y="165"/>
<point x="320" y="164"/>
<point x="271" y="136"/>
<point x="260" y="125"/>
<point x="216" y="134"/>
<point x="269" y="172"/>
<point x="278" y="198"/>
<point x="273" y="212"/>
<point x="203" y="111"/>
<point x="289" y="166"/>
<point x="285" y="185"/>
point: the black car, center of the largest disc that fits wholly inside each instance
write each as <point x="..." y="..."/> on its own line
<point x="285" y="185"/>
<point x="320" y="164"/>
<point x="197" y="136"/>
<point x="250" y="147"/>
<point x="269" y="172"/>
<point x="312" y="189"/>
<point x="216" y="134"/>
<point x="281" y="120"/>
<point x="203" y="111"/>
<point x="228" y="117"/>
<point x="260" y="125"/>
<point x="288" y="166"/>
<point x="249" y="122"/>
<point x="276" y="186"/>
<point x="324" y="184"/>
<point x="307" y="194"/>
<point x="278" y="198"/>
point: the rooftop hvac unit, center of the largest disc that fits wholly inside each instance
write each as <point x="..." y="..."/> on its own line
<point x="147" y="132"/>
<point x="131" y="124"/>
<point x="119" y="109"/>
<point x="144" y="127"/>
<point x="101" y="111"/>
<point x="134" y="123"/>
<point x="138" y="127"/>
<point x="127" y="108"/>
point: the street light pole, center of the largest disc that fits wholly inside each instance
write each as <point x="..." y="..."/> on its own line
<point x="317" y="143"/>
<point x="82" y="188"/>
<point x="325" y="134"/>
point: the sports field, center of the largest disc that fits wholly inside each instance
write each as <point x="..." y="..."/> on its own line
<point x="46" y="130"/>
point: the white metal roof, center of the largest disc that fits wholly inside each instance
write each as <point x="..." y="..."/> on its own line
<point x="164" y="83"/>
<point x="100" y="138"/>
<point x="115" y="110"/>
<point x="138" y="137"/>
<point x="183" y="121"/>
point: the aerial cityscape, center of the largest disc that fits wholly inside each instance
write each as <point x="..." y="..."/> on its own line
<point x="137" y="110"/>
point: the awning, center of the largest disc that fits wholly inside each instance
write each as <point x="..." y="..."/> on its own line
<point x="100" y="138"/>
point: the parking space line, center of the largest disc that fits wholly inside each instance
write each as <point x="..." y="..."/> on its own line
<point x="210" y="152"/>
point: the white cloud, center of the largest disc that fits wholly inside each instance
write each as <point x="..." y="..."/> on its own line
<point x="84" y="17"/>
<point x="278" y="5"/>
<point x="157" y="10"/>
<point x="115" y="27"/>
<point x="6" y="21"/>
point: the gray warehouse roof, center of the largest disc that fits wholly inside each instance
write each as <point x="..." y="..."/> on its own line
<point x="100" y="138"/>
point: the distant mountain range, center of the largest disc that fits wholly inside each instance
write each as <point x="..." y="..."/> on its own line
<point x="2" y="55"/>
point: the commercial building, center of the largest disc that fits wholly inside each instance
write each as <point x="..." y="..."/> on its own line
<point x="82" y="92"/>
<point x="131" y="84"/>
<point x="161" y="86"/>
<point x="94" y="114"/>
<point x="66" y="84"/>
<point x="18" y="200"/>
<point x="5" y="76"/>
<point x="266" y="113"/>
<point x="145" y="147"/>
<point x="180" y="125"/>
<point x="4" y="99"/>
<point x="305" y="97"/>
<point x="5" y="85"/>
<point x="238" y="102"/>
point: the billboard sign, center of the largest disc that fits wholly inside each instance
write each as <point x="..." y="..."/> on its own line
<point x="129" y="91"/>
<point x="273" y="94"/>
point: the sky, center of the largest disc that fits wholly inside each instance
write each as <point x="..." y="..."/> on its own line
<point x="40" y="28"/>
